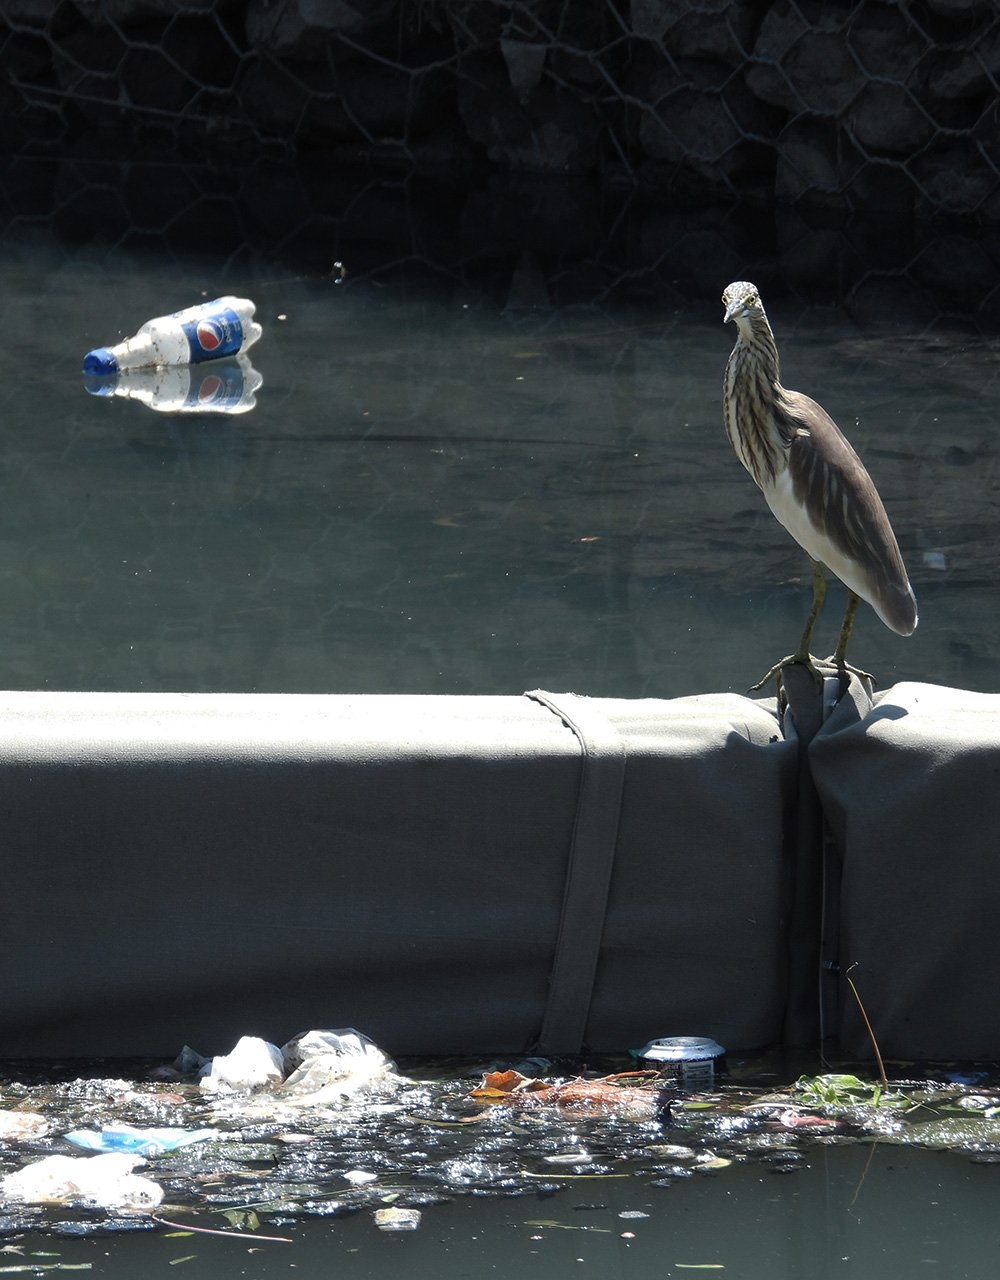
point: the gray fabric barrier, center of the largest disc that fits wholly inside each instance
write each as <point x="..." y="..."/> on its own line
<point x="909" y="782"/>
<point x="451" y="875"/>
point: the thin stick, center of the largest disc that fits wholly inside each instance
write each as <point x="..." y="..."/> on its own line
<point x="213" y="1231"/>
<point x="871" y="1034"/>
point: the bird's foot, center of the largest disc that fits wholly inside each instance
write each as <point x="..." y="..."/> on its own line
<point x="847" y="669"/>
<point x="806" y="660"/>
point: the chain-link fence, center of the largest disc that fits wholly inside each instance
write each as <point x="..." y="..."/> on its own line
<point x="845" y="150"/>
<point x="846" y="104"/>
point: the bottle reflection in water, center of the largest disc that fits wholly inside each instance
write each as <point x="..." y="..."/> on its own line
<point x="224" y="386"/>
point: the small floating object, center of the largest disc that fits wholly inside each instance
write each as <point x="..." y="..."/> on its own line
<point x="107" y="1181"/>
<point x="143" y="1142"/>
<point x="692" y="1060"/>
<point x="22" y="1124"/>
<point x="792" y="1119"/>
<point x="393" y="1219"/>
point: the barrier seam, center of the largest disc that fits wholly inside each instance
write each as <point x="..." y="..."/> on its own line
<point x="588" y="873"/>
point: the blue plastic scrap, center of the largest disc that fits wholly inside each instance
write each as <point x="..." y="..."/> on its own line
<point x="143" y="1142"/>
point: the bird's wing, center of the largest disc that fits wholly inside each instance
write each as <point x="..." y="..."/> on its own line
<point x="830" y="481"/>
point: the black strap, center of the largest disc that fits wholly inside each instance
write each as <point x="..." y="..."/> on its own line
<point x="588" y="874"/>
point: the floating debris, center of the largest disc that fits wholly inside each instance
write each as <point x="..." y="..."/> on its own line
<point x="392" y="1219"/>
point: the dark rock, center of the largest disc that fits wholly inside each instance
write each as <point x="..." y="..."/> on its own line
<point x="889" y="242"/>
<point x="654" y="18"/>
<point x="149" y="78"/>
<point x="702" y="261"/>
<point x="125" y="13"/>
<point x="886" y="42"/>
<point x="548" y="216"/>
<point x="882" y="185"/>
<point x="711" y="132"/>
<point x="957" y="270"/>
<point x="968" y="72"/>
<point x="202" y="50"/>
<point x="961" y="10"/>
<point x="154" y="195"/>
<point x="300" y="28"/>
<point x="815" y="163"/>
<point x="388" y="101"/>
<point x="719" y="30"/>
<point x="552" y="131"/>
<point x="24" y="56"/>
<point x="954" y="177"/>
<point x="887" y="119"/>
<point x="813" y="259"/>
<point x="279" y="98"/>
<point x="525" y="62"/>
<point x="33" y="13"/>
<point x="529" y="287"/>
<point x="27" y="185"/>
<point x="87" y="65"/>
<point x="805" y="65"/>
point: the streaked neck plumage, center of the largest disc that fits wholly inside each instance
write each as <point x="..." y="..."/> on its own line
<point x="752" y="396"/>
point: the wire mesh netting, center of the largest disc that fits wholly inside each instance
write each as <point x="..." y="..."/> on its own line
<point x="850" y="104"/>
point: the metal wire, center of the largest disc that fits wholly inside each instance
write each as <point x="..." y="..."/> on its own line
<point x="836" y="104"/>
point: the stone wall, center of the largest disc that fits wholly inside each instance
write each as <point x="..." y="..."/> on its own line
<point x="850" y="105"/>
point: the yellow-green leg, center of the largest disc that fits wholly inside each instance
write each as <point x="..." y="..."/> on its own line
<point x="840" y="655"/>
<point x="803" y="655"/>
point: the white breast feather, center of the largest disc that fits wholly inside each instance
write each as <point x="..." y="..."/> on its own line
<point x="781" y="499"/>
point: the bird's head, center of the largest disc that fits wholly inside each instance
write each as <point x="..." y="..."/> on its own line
<point x="742" y="301"/>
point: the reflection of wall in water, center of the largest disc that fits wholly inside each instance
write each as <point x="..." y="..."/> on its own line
<point x="850" y="106"/>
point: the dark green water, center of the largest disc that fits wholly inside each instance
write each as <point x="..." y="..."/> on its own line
<point x="851" y="1212"/>
<point x="443" y="489"/>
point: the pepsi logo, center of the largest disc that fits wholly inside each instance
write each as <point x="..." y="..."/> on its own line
<point x="209" y="335"/>
<point x="211" y="389"/>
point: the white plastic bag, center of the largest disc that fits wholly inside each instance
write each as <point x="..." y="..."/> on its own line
<point x="107" y="1181"/>
<point x="330" y="1065"/>
<point x="252" y="1064"/>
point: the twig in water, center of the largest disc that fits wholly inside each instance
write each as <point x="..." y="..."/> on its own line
<point x="871" y="1034"/>
<point x="214" y="1231"/>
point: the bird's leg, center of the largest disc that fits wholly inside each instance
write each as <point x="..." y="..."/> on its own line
<point x="839" y="657"/>
<point x="819" y="595"/>
<point x="803" y="655"/>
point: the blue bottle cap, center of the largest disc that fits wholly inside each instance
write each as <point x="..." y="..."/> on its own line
<point x="100" y="361"/>
<point x="100" y="384"/>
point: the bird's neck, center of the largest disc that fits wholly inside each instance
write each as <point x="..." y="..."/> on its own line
<point x="756" y="349"/>
<point x="752" y="393"/>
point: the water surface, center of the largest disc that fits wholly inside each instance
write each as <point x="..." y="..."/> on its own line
<point x="446" y="487"/>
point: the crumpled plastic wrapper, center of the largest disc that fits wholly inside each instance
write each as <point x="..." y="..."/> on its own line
<point x="329" y="1066"/>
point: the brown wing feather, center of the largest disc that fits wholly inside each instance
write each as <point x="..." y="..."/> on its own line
<point x="830" y="479"/>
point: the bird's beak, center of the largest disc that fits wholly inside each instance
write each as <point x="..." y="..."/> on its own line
<point x="731" y="310"/>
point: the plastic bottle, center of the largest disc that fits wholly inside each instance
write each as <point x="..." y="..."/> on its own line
<point x="223" y="327"/>
<point x="224" y="386"/>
